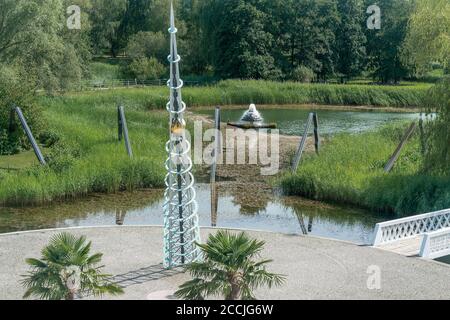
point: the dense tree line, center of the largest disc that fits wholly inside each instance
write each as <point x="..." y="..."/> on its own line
<point x="302" y="40"/>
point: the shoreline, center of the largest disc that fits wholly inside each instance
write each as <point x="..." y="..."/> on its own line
<point x="361" y="108"/>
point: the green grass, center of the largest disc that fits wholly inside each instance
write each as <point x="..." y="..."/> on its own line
<point x="349" y="170"/>
<point x="90" y="159"/>
<point x="232" y="92"/>
<point x="19" y="161"/>
<point x="105" y="71"/>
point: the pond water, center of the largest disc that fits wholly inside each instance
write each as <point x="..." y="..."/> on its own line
<point x="289" y="215"/>
<point x="292" y="121"/>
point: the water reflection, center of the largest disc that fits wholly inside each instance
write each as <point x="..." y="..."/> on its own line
<point x="120" y="216"/>
<point x="289" y="215"/>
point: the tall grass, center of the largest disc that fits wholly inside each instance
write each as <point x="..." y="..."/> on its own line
<point x="91" y="160"/>
<point x="350" y="170"/>
<point x="231" y="92"/>
<point x="104" y="71"/>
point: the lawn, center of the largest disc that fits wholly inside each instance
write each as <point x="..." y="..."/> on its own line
<point x="88" y="157"/>
<point x="19" y="161"/>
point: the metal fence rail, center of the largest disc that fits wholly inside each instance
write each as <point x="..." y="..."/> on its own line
<point x="127" y="83"/>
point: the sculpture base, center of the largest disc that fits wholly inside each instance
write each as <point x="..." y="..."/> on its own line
<point x="253" y="125"/>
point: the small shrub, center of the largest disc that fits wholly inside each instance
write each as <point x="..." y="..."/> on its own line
<point x="303" y="74"/>
<point x="146" y="68"/>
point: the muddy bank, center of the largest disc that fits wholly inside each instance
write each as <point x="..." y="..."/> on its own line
<point x="245" y="182"/>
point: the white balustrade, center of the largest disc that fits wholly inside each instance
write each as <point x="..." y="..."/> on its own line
<point x="411" y="227"/>
<point x="435" y="244"/>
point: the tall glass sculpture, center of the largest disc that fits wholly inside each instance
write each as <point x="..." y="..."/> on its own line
<point x="181" y="230"/>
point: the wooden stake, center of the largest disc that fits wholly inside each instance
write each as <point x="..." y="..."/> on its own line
<point x="301" y="147"/>
<point x="125" y="131"/>
<point x="30" y="136"/>
<point x="399" y="149"/>
<point x="316" y="132"/>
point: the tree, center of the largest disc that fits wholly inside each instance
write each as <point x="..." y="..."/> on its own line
<point x="148" y="44"/>
<point x="228" y="269"/>
<point x="304" y="35"/>
<point x="143" y="15"/>
<point x="191" y="38"/>
<point x="429" y="26"/>
<point x="384" y="45"/>
<point x="239" y="43"/>
<point x="42" y="44"/>
<point x="350" y="39"/>
<point x="67" y="269"/>
<point x="438" y="130"/>
<point x="106" y="16"/>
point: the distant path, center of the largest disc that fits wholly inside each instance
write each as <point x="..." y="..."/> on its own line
<point x="316" y="268"/>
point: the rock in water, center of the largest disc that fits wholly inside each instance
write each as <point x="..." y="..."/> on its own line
<point x="252" y="115"/>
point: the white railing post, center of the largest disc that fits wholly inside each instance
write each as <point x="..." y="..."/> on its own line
<point x="425" y="247"/>
<point x="377" y="235"/>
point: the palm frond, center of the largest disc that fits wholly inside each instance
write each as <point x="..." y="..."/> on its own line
<point x="65" y="251"/>
<point x="228" y="262"/>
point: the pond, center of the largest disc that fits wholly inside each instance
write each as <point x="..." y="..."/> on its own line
<point x="292" y="121"/>
<point x="290" y="215"/>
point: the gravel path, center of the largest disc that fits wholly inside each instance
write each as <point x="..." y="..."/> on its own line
<point x="316" y="268"/>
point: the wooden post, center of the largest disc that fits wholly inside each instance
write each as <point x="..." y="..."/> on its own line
<point x="119" y="121"/>
<point x="125" y="131"/>
<point x="215" y="153"/>
<point x="301" y="147"/>
<point x="397" y="151"/>
<point x="30" y="136"/>
<point x="423" y="145"/>
<point x="316" y="132"/>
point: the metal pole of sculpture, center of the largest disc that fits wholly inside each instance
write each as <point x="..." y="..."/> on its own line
<point x="181" y="230"/>
<point x="215" y="154"/>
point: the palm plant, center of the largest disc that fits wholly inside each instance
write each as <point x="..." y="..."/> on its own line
<point x="228" y="269"/>
<point x="65" y="270"/>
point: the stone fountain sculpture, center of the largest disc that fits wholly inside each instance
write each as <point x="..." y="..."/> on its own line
<point x="252" y="119"/>
<point x="252" y="115"/>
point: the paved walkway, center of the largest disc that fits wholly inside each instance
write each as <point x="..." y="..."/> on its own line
<point x="316" y="268"/>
